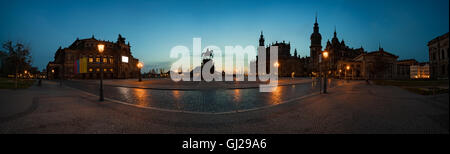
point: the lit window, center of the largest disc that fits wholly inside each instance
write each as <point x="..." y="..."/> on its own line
<point x="97" y="59"/>
<point x="104" y="70"/>
<point x="90" y="69"/>
<point x="111" y="69"/>
<point x="111" y="60"/>
<point x="125" y="59"/>
<point x="91" y="60"/>
<point x="98" y="69"/>
<point x="105" y="60"/>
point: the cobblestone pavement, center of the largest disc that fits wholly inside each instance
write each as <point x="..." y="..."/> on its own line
<point x="354" y="107"/>
<point x="202" y="100"/>
<point x="168" y="84"/>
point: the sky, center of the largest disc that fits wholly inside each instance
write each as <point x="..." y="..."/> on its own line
<point x="154" y="27"/>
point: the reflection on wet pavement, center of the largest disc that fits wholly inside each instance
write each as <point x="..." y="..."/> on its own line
<point x="212" y="100"/>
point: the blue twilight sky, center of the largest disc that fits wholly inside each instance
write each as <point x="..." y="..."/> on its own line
<point x="154" y="27"/>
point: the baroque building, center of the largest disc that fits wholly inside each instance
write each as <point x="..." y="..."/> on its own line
<point x="376" y="65"/>
<point x="82" y="60"/>
<point x="439" y="57"/>
<point x="315" y="48"/>
<point x="338" y="51"/>
<point x="288" y="65"/>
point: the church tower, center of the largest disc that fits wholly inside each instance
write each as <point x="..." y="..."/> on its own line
<point x="316" y="47"/>
<point x="261" y="39"/>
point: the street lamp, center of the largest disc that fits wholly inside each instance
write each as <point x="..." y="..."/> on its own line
<point x="140" y="65"/>
<point x="276" y="64"/>
<point x="325" y="56"/>
<point x="347" y="68"/>
<point x="101" y="48"/>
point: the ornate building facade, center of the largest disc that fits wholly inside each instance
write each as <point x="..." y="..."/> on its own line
<point x="338" y="51"/>
<point x="376" y="65"/>
<point x="82" y="60"/>
<point x="288" y="65"/>
<point x="439" y="57"/>
<point x="315" y="48"/>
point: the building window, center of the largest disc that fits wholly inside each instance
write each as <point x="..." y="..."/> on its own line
<point x="111" y="69"/>
<point x="105" y="60"/>
<point x="90" y="69"/>
<point x="442" y="54"/>
<point x="91" y="60"/>
<point x="98" y="69"/>
<point x="97" y="59"/>
<point x="111" y="60"/>
<point x="447" y="54"/>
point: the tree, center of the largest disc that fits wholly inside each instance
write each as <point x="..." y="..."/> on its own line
<point x="3" y="56"/>
<point x="15" y="59"/>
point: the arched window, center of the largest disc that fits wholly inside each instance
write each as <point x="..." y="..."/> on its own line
<point x="443" y="70"/>
<point x="447" y="53"/>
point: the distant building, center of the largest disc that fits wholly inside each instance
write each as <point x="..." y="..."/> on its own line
<point x="404" y="68"/>
<point x="315" y="49"/>
<point x="420" y="71"/>
<point x="81" y="60"/>
<point x="377" y="65"/>
<point x="337" y="51"/>
<point x="439" y="57"/>
<point x="289" y="65"/>
<point x="349" y="69"/>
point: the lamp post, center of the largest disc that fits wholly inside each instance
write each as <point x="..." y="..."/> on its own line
<point x="277" y="65"/>
<point x="101" y="48"/>
<point x="61" y="74"/>
<point x="325" y="56"/>
<point x="140" y="65"/>
<point x="346" y="69"/>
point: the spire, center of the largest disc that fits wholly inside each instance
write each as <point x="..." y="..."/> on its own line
<point x="93" y="36"/>
<point x="316" y="16"/>
<point x="295" y="52"/>
<point x="316" y="25"/>
<point x="335" y="34"/>
<point x="261" y="39"/>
